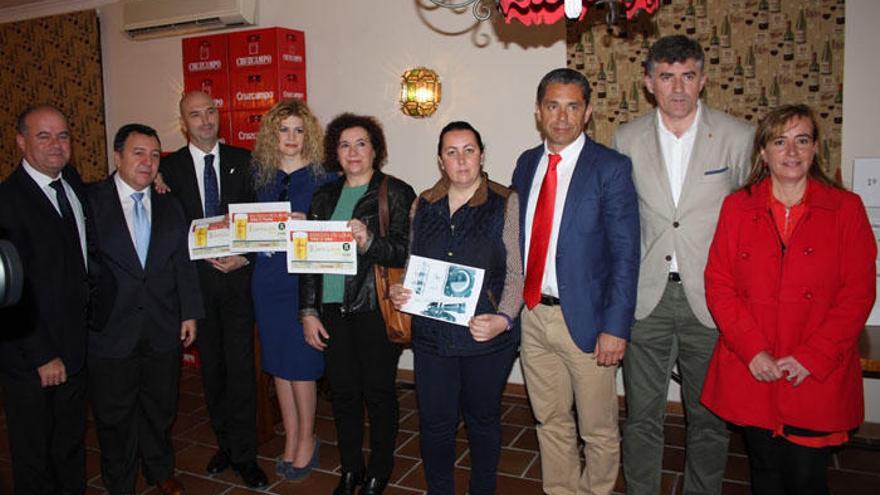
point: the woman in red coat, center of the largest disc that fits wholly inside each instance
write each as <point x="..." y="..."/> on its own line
<point x="790" y="282"/>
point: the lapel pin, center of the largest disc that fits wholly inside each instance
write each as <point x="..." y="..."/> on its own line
<point x="231" y="170"/>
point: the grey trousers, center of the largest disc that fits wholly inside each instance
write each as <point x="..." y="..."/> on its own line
<point x="670" y="334"/>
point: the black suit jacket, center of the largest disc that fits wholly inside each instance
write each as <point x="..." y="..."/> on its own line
<point x="150" y="302"/>
<point x="236" y="186"/>
<point x="52" y="317"/>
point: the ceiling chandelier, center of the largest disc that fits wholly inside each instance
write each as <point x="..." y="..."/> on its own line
<point x="531" y="12"/>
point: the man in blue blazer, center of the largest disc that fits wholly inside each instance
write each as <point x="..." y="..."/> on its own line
<point x="580" y="239"/>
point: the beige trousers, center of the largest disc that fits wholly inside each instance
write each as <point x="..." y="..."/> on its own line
<point x="558" y="377"/>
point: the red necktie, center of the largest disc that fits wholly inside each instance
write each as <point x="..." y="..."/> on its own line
<point x="542" y="224"/>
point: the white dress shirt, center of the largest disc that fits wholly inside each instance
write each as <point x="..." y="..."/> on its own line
<point x="676" y="156"/>
<point x="125" y="191"/>
<point x="43" y="182"/>
<point x="564" y="171"/>
<point x="198" y="157"/>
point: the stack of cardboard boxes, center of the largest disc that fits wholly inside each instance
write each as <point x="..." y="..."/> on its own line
<point x="246" y="72"/>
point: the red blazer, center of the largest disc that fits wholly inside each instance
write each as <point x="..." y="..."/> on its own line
<point x="811" y="302"/>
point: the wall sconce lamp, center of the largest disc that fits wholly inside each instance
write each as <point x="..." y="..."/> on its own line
<point x="419" y="92"/>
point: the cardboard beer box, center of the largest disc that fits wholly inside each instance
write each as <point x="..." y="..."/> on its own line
<point x="260" y="89"/>
<point x="205" y="54"/>
<point x="244" y="127"/>
<point x="271" y="47"/>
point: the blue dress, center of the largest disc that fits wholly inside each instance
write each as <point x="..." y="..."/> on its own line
<point x="285" y="353"/>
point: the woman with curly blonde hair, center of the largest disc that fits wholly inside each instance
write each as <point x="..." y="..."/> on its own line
<point x="287" y="164"/>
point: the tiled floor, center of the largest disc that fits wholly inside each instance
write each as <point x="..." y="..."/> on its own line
<point x="854" y="471"/>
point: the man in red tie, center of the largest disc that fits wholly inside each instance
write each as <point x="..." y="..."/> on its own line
<point x="580" y="239"/>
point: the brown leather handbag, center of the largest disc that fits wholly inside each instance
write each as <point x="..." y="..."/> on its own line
<point x="398" y="325"/>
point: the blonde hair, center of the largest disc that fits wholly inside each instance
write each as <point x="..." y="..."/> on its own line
<point x="266" y="157"/>
<point x="772" y="125"/>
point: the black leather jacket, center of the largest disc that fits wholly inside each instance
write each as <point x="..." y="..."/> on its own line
<point x="360" y="289"/>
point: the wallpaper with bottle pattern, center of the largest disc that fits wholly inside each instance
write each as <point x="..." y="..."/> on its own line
<point x="55" y="60"/>
<point x="759" y="54"/>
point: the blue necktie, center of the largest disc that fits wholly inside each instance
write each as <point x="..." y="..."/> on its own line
<point x="212" y="191"/>
<point x="141" y="228"/>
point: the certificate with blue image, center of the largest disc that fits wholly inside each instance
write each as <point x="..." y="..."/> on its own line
<point x="441" y="290"/>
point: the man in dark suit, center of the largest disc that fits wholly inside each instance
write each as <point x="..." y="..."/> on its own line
<point x="206" y="176"/>
<point x="43" y="212"/>
<point x="580" y="237"/>
<point x="134" y="362"/>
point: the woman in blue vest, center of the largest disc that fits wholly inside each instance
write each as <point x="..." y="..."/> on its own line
<point x="469" y="220"/>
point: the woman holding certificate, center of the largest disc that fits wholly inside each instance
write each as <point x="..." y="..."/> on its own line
<point x="465" y="219"/>
<point x="790" y="282"/>
<point x="287" y="163"/>
<point x="340" y="313"/>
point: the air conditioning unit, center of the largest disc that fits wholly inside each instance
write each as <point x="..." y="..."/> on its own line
<point x="144" y="19"/>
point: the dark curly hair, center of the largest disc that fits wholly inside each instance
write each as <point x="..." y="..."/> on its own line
<point x="347" y="121"/>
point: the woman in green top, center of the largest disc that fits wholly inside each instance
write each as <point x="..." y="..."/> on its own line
<point x="339" y="312"/>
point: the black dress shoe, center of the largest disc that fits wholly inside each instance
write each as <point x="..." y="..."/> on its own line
<point x="373" y="486"/>
<point x="348" y="483"/>
<point x="219" y="463"/>
<point x="251" y="474"/>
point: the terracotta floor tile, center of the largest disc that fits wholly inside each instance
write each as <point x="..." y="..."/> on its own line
<point x="518" y="486"/>
<point x="190" y="403"/>
<point x="737" y="468"/>
<point x="201" y="433"/>
<point x="402" y="468"/>
<point x="673" y="459"/>
<point x="674" y="435"/>
<point x="512" y="462"/>
<point x="410" y="421"/>
<point x="195" y="458"/>
<point x="519" y="415"/>
<point x="272" y="448"/>
<point x="231" y="477"/>
<point x="733" y="488"/>
<point x="534" y="471"/>
<point x="510" y="434"/>
<point x="325" y="428"/>
<point x="527" y="440"/>
<point x="855" y="471"/>
<point x="859" y="460"/>
<point x="416" y="480"/>
<point x="408" y="399"/>
<point x="201" y="486"/>
<point x="737" y="443"/>
<point x="317" y="483"/>
<point x="853" y="483"/>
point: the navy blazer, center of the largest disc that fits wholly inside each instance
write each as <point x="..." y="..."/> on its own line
<point x="150" y="302"/>
<point x="597" y="255"/>
<point x="51" y="319"/>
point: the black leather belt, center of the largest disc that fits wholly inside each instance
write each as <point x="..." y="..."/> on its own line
<point x="549" y="300"/>
<point x="674" y="277"/>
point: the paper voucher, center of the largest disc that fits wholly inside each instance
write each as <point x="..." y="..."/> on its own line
<point x="258" y="227"/>
<point x="208" y="238"/>
<point x="442" y="291"/>
<point x="321" y="247"/>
